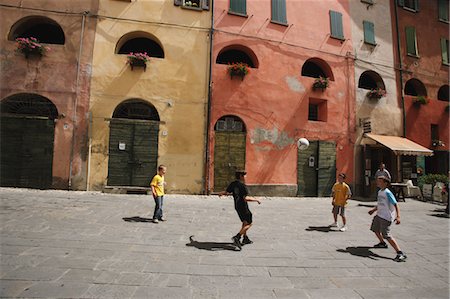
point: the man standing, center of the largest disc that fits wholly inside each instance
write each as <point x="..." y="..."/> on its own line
<point x="382" y="171"/>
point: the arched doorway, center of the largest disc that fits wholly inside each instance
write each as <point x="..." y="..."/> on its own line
<point x="229" y="150"/>
<point x="133" y="144"/>
<point x="27" y="135"/>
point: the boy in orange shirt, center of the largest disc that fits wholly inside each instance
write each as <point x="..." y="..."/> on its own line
<point x="341" y="194"/>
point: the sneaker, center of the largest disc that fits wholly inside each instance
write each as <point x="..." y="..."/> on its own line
<point x="155" y="221"/>
<point x="401" y="257"/>
<point x="162" y="219"/>
<point x="380" y="245"/>
<point x="343" y="229"/>
<point x="236" y="241"/>
<point x="246" y="241"/>
<point x="333" y="225"/>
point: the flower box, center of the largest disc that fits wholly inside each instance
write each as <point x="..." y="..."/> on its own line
<point x="238" y="69"/>
<point x="419" y="101"/>
<point x="321" y="83"/>
<point x="138" y="60"/>
<point x="376" y="93"/>
<point x="30" y="46"/>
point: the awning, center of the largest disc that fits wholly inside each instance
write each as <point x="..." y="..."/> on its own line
<point x="399" y="145"/>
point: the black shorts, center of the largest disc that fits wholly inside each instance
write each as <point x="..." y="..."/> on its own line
<point x="245" y="216"/>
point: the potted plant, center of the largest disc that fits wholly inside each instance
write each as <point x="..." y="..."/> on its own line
<point x="437" y="142"/>
<point x="447" y="108"/>
<point x="138" y="59"/>
<point x="30" y="46"/>
<point x="376" y="93"/>
<point x="321" y="83"/>
<point x="420" y="100"/>
<point x="238" y="69"/>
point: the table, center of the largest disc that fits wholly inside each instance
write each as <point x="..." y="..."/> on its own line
<point x="398" y="190"/>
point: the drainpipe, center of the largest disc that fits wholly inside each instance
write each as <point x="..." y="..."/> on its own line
<point x="75" y="103"/>
<point x="400" y="69"/>
<point x="208" y="114"/>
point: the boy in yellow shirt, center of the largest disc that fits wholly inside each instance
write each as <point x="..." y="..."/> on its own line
<point x="341" y="194"/>
<point x="157" y="186"/>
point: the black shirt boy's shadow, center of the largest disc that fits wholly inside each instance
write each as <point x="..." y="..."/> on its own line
<point x="212" y="246"/>
<point x="324" y="229"/>
<point x="137" y="219"/>
<point x="363" y="251"/>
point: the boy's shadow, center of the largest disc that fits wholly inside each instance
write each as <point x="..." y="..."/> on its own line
<point x="137" y="219"/>
<point x="441" y="213"/>
<point x="212" y="246"/>
<point x="324" y="229"/>
<point x="363" y="251"/>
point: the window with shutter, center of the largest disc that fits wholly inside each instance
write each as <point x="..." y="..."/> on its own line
<point x="412" y="5"/>
<point x="369" y="33"/>
<point x="279" y="12"/>
<point x="411" y="43"/>
<point x="337" y="30"/>
<point x="444" y="51"/>
<point x="443" y="10"/>
<point x="238" y="7"/>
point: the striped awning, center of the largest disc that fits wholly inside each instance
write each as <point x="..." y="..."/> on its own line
<point x="399" y="145"/>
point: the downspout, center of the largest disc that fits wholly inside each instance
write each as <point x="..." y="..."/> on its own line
<point x="75" y="103"/>
<point x="208" y="113"/>
<point x="400" y="69"/>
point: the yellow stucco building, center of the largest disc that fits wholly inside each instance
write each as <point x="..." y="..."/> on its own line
<point x="143" y="114"/>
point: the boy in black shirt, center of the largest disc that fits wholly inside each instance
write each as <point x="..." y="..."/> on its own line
<point x="239" y="191"/>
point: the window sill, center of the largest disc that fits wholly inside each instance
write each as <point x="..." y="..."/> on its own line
<point x="342" y="39"/>
<point x="446" y="64"/>
<point x="444" y="21"/>
<point x="410" y="9"/>
<point x="370" y="44"/>
<point x="279" y="23"/>
<point x="192" y="8"/>
<point x="413" y="55"/>
<point x="237" y="14"/>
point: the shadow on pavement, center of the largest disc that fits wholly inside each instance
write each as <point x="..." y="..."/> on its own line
<point x="137" y="219"/>
<point x="363" y="251"/>
<point x="441" y="213"/>
<point x="323" y="229"/>
<point x="212" y="246"/>
<point x="366" y="205"/>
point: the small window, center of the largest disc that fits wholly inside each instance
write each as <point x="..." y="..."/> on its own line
<point x="414" y="87"/>
<point x="444" y="51"/>
<point x="443" y="10"/>
<point x="142" y="45"/>
<point x="370" y="80"/>
<point x="44" y="29"/>
<point x="443" y="93"/>
<point x="279" y="12"/>
<point x="412" y="5"/>
<point x="337" y="29"/>
<point x="369" y="33"/>
<point x="317" y="110"/>
<point x="238" y="7"/>
<point x="194" y="4"/>
<point x="313" y="112"/>
<point x="411" y="42"/>
<point x="229" y="56"/>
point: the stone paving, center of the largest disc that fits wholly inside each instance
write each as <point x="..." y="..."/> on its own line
<point x="59" y="244"/>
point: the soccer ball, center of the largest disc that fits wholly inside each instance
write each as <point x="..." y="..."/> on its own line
<point x="302" y="143"/>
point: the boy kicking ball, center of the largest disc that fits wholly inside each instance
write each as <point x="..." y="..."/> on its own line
<point x="387" y="211"/>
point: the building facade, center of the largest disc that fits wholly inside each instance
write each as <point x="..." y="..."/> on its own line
<point x="44" y="92"/>
<point x="256" y="119"/>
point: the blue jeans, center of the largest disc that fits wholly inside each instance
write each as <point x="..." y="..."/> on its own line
<point x="158" y="213"/>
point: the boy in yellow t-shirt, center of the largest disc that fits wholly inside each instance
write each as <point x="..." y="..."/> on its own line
<point x="157" y="186"/>
<point x="341" y="194"/>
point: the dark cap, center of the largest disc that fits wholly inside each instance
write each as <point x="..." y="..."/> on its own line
<point x="241" y="171"/>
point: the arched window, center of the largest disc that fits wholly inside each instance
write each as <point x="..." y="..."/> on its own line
<point x="44" y="29"/>
<point x="370" y="80"/>
<point x="315" y="68"/>
<point x="237" y="53"/>
<point x="30" y="105"/>
<point x="136" y="109"/>
<point x="443" y="93"/>
<point x="414" y="87"/>
<point x="140" y="42"/>
<point x="230" y="123"/>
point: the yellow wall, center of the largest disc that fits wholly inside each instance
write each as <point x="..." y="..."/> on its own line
<point x="175" y="85"/>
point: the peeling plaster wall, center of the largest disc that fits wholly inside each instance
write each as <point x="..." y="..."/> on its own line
<point x="54" y="76"/>
<point x="272" y="100"/>
<point x="176" y="86"/>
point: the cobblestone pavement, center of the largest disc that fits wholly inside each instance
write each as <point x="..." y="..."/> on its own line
<point x="59" y="244"/>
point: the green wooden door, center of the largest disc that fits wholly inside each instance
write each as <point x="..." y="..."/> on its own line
<point x="26" y="152"/>
<point x="316" y="169"/>
<point x="133" y="152"/>
<point x="229" y="155"/>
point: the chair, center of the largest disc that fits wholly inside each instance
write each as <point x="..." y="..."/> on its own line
<point x="411" y="190"/>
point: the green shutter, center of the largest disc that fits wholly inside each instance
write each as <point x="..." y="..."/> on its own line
<point x="411" y="41"/>
<point x="401" y="3"/>
<point x="369" y="33"/>
<point x="444" y="51"/>
<point x="279" y="11"/>
<point x="443" y="10"/>
<point x="337" y="30"/>
<point x="238" y="6"/>
<point x="416" y="5"/>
